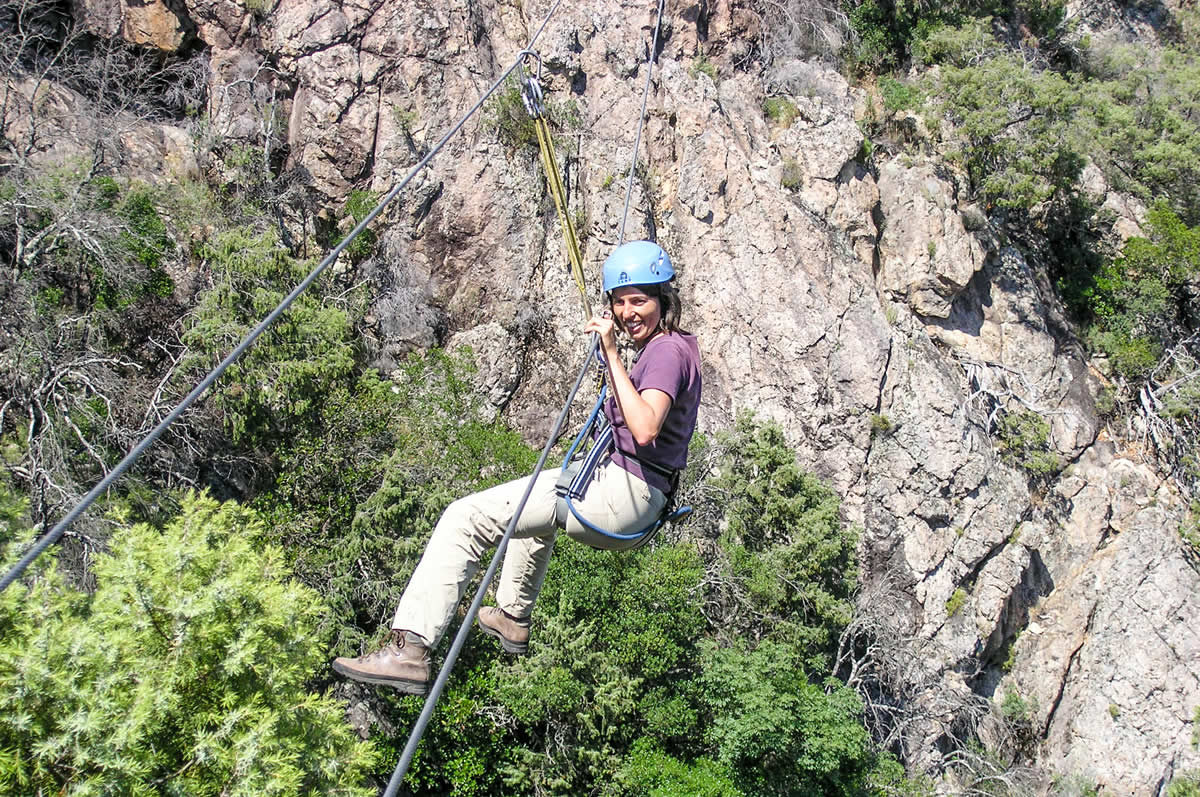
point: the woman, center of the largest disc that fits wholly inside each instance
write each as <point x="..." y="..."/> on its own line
<point x="652" y="410"/>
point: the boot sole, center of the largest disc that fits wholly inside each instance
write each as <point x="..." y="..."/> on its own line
<point x="515" y="648"/>
<point x="406" y="685"/>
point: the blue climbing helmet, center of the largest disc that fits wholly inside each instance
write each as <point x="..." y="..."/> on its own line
<point x="637" y="263"/>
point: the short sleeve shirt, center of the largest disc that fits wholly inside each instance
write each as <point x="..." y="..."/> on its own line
<point x="670" y="363"/>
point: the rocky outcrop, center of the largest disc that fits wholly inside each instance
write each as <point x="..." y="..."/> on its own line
<point x="869" y="311"/>
<point x="1108" y="659"/>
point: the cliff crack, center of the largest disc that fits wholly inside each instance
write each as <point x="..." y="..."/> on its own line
<point x="1066" y="676"/>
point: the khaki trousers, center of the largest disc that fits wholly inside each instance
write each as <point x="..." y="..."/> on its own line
<point x="616" y="501"/>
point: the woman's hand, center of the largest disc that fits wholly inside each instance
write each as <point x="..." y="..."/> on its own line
<point x="604" y="326"/>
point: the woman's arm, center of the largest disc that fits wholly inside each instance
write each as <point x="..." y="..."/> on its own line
<point x="644" y="412"/>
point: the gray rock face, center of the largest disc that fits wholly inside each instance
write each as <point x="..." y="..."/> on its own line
<point x="926" y="255"/>
<point x="873" y="315"/>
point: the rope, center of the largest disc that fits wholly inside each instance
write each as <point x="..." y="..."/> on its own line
<point x="637" y="141"/>
<point x="55" y="533"/>
<point x="554" y="178"/>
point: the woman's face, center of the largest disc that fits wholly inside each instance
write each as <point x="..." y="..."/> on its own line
<point x="638" y="312"/>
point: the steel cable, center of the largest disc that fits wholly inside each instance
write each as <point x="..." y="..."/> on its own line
<point x="637" y="141"/>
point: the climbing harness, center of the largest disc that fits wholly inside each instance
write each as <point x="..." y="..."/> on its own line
<point x="577" y="473"/>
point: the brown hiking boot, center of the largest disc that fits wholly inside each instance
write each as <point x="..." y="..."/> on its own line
<point x="512" y="633"/>
<point x="402" y="663"/>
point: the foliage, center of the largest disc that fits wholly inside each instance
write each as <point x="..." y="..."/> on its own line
<point x="881" y="425"/>
<point x="184" y="671"/>
<point x="792" y="175"/>
<point x="786" y="544"/>
<point x="359" y="205"/>
<point x="701" y="65"/>
<point x="898" y="96"/>
<point x="888" y="34"/>
<point x="274" y="389"/>
<point x="1013" y="122"/>
<point x="90" y="303"/>
<point x="1185" y="785"/>
<point x="780" y="110"/>
<point x="956" y="601"/>
<point x="505" y="116"/>
<point x="781" y="734"/>
<point x="1138" y="302"/>
<point x="656" y="774"/>
<point x="1024" y="441"/>
<point x="1142" y="115"/>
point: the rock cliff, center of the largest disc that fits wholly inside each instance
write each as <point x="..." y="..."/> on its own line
<point x="859" y="301"/>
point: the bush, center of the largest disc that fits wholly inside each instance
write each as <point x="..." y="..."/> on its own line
<point x="275" y="388"/>
<point x="780" y="110"/>
<point x="791" y="560"/>
<point x="792" y="176"/>
<point x="898" y="96"/>
<point x="779" y="733"/>
<point x="359" y="205"/>
<point x="1186" y="785"/>
<point x="1024" y="441"/>
<point x="701" y="65"/>
<point x="653" y="773"/>
<point x="185" y="671"/>
<point x="1015" y="123"/>
<point x="956" y="601"/>
<point x="505" y="116"/>
<point x="1138" y="302"/>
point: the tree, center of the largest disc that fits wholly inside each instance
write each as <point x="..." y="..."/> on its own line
<point x="185" y="671"/>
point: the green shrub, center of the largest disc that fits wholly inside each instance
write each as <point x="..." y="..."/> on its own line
<point x="505" y="116"/>
<point x="1138" y="301"/>
<point x="1014" y="125"/>
<point x="898" y="96"/>
<point x="1024" y="441"/>
<point x="359" y="205"/>
<point x="701" y="65"/>
<point x="186" y="670"/>
<point x="956" y="601"/>
<point x="781" y="734"/>
<point x="780" y="110"/>
<point x="792" y="176"/>
<point x="274" y="389"/>
<point x="881" y="425"/>
<point x="786" y="543"/>
<point x="648" y="772"/>
<point x="1185" y="785"/>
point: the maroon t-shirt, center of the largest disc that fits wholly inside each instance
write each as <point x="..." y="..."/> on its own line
<point x="670" y="363"/>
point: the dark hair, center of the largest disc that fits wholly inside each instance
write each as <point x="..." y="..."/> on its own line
<point x="669" y="304"/>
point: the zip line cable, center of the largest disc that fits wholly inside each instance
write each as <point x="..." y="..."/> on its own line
<point x="55" y="533"/>
<point x="637" y="141"/>
<point x="464" y="630"/>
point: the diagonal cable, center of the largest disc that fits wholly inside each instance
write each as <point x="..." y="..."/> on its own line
<point x="637" y="141"/>
<point x="55" y="533"/>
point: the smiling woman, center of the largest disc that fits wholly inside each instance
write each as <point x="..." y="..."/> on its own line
<point x="652" y="412"/>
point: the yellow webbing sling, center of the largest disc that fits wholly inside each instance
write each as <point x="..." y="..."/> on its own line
<point x="532" y="94"/>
